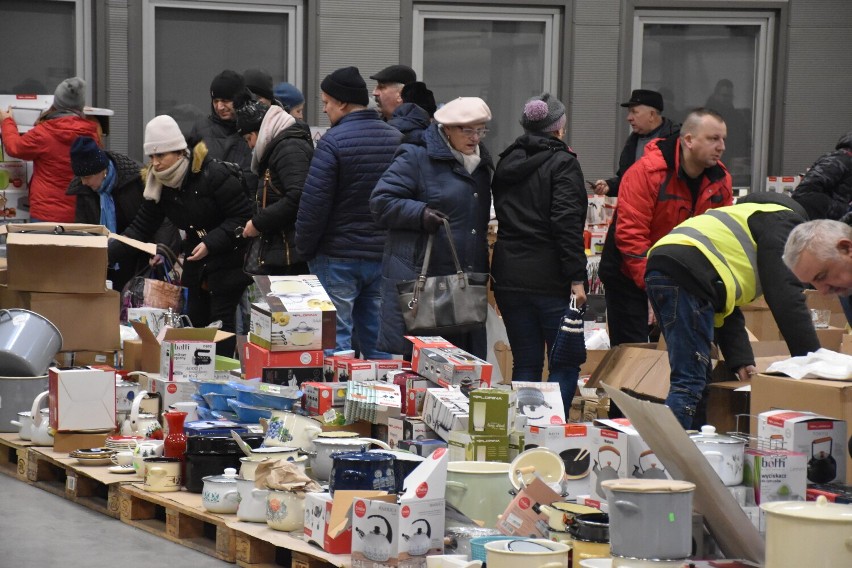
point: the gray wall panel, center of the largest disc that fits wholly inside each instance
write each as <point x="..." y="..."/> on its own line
<point x="117" y="74"/>
<point x="597" y="12"/>
<point x="821" y="13"/>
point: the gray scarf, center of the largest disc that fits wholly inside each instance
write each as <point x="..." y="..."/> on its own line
<point x="171" y="177"/>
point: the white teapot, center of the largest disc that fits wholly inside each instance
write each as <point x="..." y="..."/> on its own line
<point x="40" y="432"/>
<point x="139" y="424"/>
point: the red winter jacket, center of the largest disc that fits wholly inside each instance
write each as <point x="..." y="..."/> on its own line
<point x="48" y="146"/>
<point x="653" y="200"/>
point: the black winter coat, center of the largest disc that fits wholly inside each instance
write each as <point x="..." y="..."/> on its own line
<point x="127" y="196"/>
<point x="628" y="154"/>
<point x="209" y="206"/>
<point x="225" y="144"/>
<point x="541" y="211"/>
<point x="830" y="176"/>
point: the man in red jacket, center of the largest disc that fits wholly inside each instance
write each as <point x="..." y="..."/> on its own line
<point x="678" y="177"/>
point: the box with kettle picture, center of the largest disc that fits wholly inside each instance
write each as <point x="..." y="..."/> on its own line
<point x="618" y="451"/>
<point x="821" y="439"/>
<point x="295" y="314"/>
<point x="572" y="443"/>
<point x="401" y="533"/>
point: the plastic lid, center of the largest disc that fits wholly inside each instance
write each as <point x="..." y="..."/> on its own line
<point x="708" y="435"/>
<point x="819" y="510"/>
<point x="648" y="485"/>
<point x="230" y="475"/>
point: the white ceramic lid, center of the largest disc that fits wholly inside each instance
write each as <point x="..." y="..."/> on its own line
<point x="708" y="435"/>
<point x="543" y="462"/>
<point x="819" y="510"/>
<point x="230" y="476"/>
<point x="648" y="485"/>
<point x="274" y="450"/>
<point x="337" y="434"/>
<point x="340" y="442"/>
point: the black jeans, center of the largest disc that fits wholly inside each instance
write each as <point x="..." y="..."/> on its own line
<point x="215" y="297"/>
<point x="626" y="311"/>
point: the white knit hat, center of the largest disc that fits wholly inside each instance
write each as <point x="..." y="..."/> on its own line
<point x="463" y="110"/>
<point x="162" y="134"/>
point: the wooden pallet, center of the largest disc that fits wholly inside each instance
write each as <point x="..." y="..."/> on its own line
<point x="181" y="521"/>
<point x="14" y="456"/>
<point x="92" y="487"/>
<point x="258" y="546"/>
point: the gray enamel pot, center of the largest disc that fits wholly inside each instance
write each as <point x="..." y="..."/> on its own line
<point x="28" y="343"/>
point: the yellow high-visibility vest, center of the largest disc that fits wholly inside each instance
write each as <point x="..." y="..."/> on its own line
<point x="722" y="235"/>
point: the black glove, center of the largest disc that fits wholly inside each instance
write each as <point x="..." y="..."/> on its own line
<point x="432" y="220"/>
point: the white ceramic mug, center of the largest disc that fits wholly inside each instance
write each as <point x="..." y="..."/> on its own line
<point x="162" y="474"/>
<point x="123" y="458"/>
<point x="146" y="449"/>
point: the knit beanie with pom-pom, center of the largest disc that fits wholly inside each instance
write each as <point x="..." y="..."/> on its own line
<point x="543" y="114"/>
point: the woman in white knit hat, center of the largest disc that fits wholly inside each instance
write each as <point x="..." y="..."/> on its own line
<point x="202" y="197"/>
<point x="446" y="174"/>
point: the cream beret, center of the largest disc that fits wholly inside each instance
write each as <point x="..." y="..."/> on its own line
<point x="463" y="110"/>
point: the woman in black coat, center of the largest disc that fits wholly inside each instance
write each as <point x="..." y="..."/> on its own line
<point x="201" y="197"/>
<point x="282" y="149"/>
<point x="539" y="259"/>
<point x="103" y="177"/>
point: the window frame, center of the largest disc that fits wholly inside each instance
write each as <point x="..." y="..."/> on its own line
<point x="295" y="36"/>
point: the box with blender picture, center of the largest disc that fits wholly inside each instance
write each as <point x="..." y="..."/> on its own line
<point x="295" y="314"/>
<point x="823" y="440"/>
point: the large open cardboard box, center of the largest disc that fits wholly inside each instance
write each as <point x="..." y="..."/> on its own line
<point x="150" y="356"/>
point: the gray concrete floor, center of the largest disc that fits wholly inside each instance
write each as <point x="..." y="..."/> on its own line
<point x="39" y="529"/>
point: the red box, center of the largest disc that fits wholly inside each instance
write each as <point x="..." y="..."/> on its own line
<point x="330" y="367"/>
<point x="354" y="370"/>
<point x="255" y="358"/>
<point x="386" y="366"/>
<point x="319" y="398"/>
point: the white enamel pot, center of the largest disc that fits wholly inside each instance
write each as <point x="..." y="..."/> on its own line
<point x="252" y="507"/>
<point x="529" y="553"/>
<point x="816" y="534"/>
<point x="291" y="429"/>
<point x="480" y="490"/>
<point x="726" y="454"/>
<point x="220" y="493"/>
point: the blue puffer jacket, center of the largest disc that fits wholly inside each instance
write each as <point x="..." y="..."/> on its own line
<point x="334" y="214"/>
<point x="428" y="174"/>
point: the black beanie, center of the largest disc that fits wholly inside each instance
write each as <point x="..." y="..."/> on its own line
<point x="347" y="86"/>
<point x="259" y="82"/>
<point x="249" y="117"/>
<point x="86" y="157"/>
<point x="418" y="94"/>
<point x="226" y="85"/>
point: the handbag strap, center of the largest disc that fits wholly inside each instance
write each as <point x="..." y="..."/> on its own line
<point x="421" y="280"/>
<point x="266" y="182"/>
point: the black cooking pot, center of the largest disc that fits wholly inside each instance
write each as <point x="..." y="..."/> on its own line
<point x="590" y="527"/>
<point x="210" y="455"/>
<point x="220" y="444"/>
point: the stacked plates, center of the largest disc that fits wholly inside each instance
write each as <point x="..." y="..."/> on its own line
<point x="122" y="443"/>
<point x="93" y="456"/>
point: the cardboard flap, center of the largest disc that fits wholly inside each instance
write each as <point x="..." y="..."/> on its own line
<point x="144" y="332"/>
<point x="659" y="428"/>
<point x="30" y="227"/>
<point x="637" y="369"/>
<point x="342" y="504"/>
<point x="195" y="334"/>
<point x="150" y="248"/>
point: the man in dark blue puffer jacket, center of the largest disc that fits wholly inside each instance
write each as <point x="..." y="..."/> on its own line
<point x="335" y="230"/>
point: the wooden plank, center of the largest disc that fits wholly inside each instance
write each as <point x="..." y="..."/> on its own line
<point x="179" y="518"/>
<point x="259" y="546"/>
<point x="14" y="453"/>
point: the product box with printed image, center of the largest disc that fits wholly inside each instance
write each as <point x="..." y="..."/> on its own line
<point x="296" y="314"/>
<point x="256" y="358"/>
<point x="291" y="376"/>
<point x="386" y="367"/>
<point x="571" y="442"/>
<point x="445" y="410"/>
<point x="618" y="451"/>
<point x="421" y="447"/>
<point x="387" y="531"/>
<point x="492" y="412"/>
<point x="81" y="398"/>
<point x="329" y="369"/>
<point x="13" y="176"/>
<point x="171" y="391"/>
<point x="445" y="364"/>
<point x="188" y="352"/>
<point x="775" y="475"/>
<point x="416" y="429"/>
<point x="327" y="521"/>
<point x="476" y="447"/>
<point x="541" y="403"/>
<point x="319" y="398"/>
<point x="354" y="370"/>
<point x="823" y="440"/>
<point x="523" y="517"/>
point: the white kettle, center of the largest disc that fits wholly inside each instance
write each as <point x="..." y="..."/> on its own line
<point x="139" y="424"/>
<point x="40" y="433"/>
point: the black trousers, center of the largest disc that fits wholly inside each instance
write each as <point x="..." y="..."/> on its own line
<point x="626" y="311"/>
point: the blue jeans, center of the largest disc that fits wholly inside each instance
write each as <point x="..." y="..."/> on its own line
<point x="687" y="324"/>
<point x="354" y="288"/>
<point x="531" y="323"/>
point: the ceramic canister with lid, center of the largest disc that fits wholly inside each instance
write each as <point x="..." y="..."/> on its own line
<point x="816" y="534"/>
<point x="650" y="518"/>
<point x="726" y="454"/>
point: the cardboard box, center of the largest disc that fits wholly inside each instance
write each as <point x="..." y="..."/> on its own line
<point x="70" y="441"/>
<point x="416" y="429"/>
<point x="445" y="410"/>
<point x="617" y="450"/>
<point x="297" y="314"/>
<point x="831" y="302"/>
<point x="541" y="403"/>
<point x="330" y="367"/>
<point x="445" y="364"/>
<point x="728" y="407"/>
<point x="386" y="367"/>
<point x="179" y="389"/>
<point x="81" y="398"/>
<point x="828" y="398"/>
<point x="153" y="351"/>
<point x="775" y="475"/>
<point x="154" y="318"/>
<point x="469" y="447"/>
<point x="572" y="443"/>
<point x="522" y="517"/>
<point x="321" y="397"/>
<point x="354" y="370"/>
<point x="413" y="525"/>
<point x="422" y="448"/>
<point x="73" y="261"/>
<point x="327" y="521"/>
<point x="492" y="412"/>
<point x="823" y="440"/>
<point x="641" y="371"/>
<point x="87" y="322"/>
<point x="255" y="358"/>
<point x="290" y="376"/>
<point x="138" y="358"/>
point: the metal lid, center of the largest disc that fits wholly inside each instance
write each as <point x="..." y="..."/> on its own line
<point x="819" y="510"/>
<point x="230" y="476"/>
<point x="648" y="485"/>
<point x="708" y="435"/>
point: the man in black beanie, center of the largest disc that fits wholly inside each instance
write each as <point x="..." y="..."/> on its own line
<point x="219" y="130"/>
<point x="335" y="230"/>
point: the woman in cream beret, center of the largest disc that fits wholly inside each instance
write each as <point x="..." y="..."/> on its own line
<point x="447" y="174"/>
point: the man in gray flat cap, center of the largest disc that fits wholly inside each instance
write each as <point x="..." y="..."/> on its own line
<point x="389" y="84"/>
